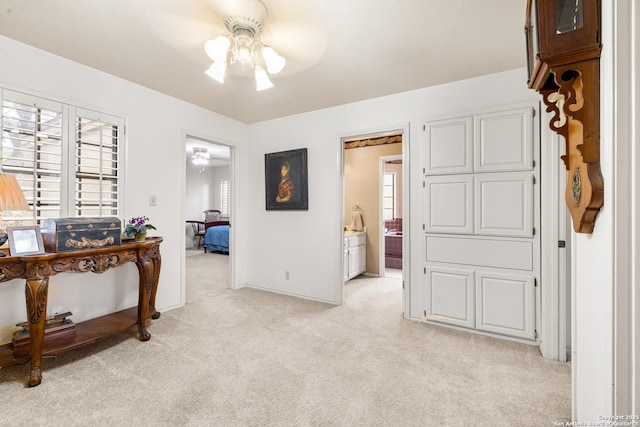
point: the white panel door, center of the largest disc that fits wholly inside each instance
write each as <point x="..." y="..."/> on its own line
<point x="449" y="147"/>
<point x="449" y="204"/>
<point x="503" y="141"/>
<point x="450" y="296"/>
<point x="504" y="204"/>
<point x="504" y="304"/>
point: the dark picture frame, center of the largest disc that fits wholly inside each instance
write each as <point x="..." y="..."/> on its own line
<point x="25" y="240"/>
<point x="286" y="186"/>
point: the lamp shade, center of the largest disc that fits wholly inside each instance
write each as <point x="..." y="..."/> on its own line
<point x="11" y="195"/>
<point x="217" y="71"/>
<point x="262" y="80"/>
<point x="275" y="63"/>
<point x="217" y="48"/>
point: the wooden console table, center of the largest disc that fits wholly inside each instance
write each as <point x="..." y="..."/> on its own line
<point x="37" y="269"/>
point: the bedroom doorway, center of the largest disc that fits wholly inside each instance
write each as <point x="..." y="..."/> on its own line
<point x="208" y="192"/>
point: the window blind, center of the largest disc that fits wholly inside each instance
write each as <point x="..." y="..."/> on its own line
<point x="224" y="197"/>
<point x="32" y="134"/>
<point x="97" y="138"/>
<point x="66" y="159"/>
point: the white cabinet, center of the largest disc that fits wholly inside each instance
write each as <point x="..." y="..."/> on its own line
<point x="355" y="254"/>
<point x="480" y="204"/>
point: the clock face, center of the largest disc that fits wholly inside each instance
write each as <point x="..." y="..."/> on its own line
<point x="569" y="15"/>
<point x="532" y="37"/>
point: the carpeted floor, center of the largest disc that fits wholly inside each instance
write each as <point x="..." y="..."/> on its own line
<point x="252" y="358"/>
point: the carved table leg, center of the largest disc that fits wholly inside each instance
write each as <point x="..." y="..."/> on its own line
<point x="144" y="290"/>
<point x="36" y="298"/>
<point x="154" y="288"/>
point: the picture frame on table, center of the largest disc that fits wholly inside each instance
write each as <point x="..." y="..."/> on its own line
<point x="286" y="186"/>
<point x="25" y="240"/>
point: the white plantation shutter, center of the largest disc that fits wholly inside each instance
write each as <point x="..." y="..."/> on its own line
<point x="66" y="159"/>
<point x="224" y="197"/>
<point x="97" y="158"/>
<point x="32" y="149"/>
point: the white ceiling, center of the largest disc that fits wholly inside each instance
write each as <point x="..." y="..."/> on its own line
<point x="337" y="51"/>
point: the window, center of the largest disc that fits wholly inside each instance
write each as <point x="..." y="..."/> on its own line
<point x="389" y="196"/>
<point x="66" y="159"/>
<point x="224" y="197"/>
<point x="96" y="168"/>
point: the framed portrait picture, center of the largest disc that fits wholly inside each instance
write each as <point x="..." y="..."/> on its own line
<point x="25" y="240"/>
<point x="286" y="180"/>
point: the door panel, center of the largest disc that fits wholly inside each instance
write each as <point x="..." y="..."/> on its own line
<point x="504" y="304"/>
<point x="449" y="204"/>
<point x="499" y="253"/>
<point x="503" y="141"/>
<point x="451" y="296"/>
<point x="504" y="204"/>
<point x="449" y="147"/>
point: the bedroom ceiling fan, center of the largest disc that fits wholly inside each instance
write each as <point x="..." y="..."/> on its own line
<point x="246" y="44"/>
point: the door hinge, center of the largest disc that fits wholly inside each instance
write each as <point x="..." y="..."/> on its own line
<point x="425" y="313"/>
<point x="424" y="227"/>
<point x="403" y="284"/>
<point x="424" y="184"/>
<point x="535" y="282"/>
<point x="424" y="170"/>
<point x="562" y="244"/>
<point x="424" y="128"/>
<point x="425" y="270"/>
<point x="535" y="333"/>
<point x="534" y="180"/>
<point x="533" y="112"/>
<point x="534" y="163"/>
<point x="534" y="231"/>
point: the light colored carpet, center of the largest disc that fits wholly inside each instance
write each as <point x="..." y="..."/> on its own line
<point x="253" y="358"/>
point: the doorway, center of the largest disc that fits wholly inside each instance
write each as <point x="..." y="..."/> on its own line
<point x="208" y="186"/>
<point x="391" y="226"/>
<point x="361" y="155"/>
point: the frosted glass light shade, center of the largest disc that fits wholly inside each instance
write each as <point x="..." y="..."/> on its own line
<point x="217" y="71"/>
<point x="217" y="48"/>
<point x="275" y="63"/>
<point x="262" y="80"/>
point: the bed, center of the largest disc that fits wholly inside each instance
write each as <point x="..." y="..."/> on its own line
<point x="216" y="236"/>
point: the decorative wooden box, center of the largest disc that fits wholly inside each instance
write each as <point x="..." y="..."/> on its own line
<point x="71" y="234"/>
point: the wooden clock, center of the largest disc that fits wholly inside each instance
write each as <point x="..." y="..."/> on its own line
<point x="563" y="65"/>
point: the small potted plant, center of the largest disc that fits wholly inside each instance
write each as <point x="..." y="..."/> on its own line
<point x="138" y="227"/>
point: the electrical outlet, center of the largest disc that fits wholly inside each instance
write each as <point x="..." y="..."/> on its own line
<point x="56" y="310"/>
<point x="286" y="275"/>
<point x="153" y="200"/>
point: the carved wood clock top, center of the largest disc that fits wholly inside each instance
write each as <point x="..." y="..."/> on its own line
<point x="563" y="61"/>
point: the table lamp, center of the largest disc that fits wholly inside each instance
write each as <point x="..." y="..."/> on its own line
<point x="11" y="198"/>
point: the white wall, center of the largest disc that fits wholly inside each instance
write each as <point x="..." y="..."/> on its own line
<point x="155" y="162"/>
<point x="606" y="322"/>
<point x="308" y="243"/>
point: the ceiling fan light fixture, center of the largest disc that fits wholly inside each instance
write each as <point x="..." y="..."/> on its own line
<point x="200" y="157"/>
<point x="217" y="71"/>
<point x="262" y="80"/>
<point x="244" y="45"/>
<point x="275" y="63"/>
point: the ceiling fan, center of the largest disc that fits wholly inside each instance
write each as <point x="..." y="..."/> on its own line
<point x="246" y="43"/>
